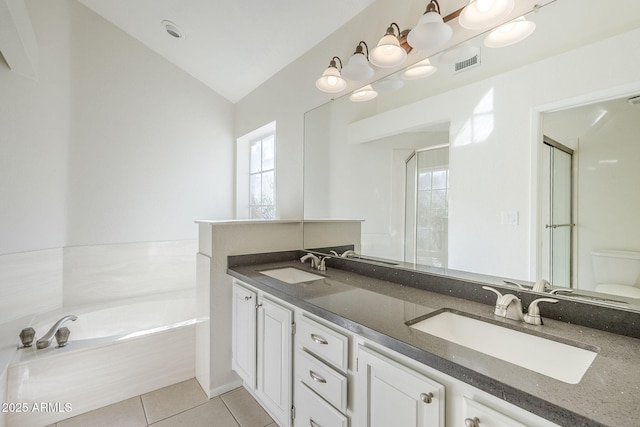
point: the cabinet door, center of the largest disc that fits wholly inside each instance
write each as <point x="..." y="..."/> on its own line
<point x="391" y="394"/>
<point x="243" y="359"/>
<point x="274" y="359"/>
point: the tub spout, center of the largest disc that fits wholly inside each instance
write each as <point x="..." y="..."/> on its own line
<point x="47" y="338"/>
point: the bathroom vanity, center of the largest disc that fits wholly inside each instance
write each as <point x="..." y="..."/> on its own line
<point x="342" y="348"/>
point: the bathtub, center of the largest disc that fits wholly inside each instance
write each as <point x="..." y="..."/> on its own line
<point x="115" y="351"/>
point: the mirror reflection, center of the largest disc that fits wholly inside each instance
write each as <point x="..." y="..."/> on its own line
<point x="454" y="171"/>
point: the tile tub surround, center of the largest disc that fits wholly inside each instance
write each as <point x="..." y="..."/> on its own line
<point x="93" y="274"/>
<point x="607" y="395"/>
<point x="30" y="282"/>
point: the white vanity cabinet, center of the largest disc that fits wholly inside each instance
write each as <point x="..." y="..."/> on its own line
<point x="334" y="378"/>
<point x="262" y="347"/>
<point x="390" y="393"/>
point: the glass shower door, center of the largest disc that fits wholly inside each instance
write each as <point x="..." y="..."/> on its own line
<point x="427" y="201"/>
<point x="557" y="204"/>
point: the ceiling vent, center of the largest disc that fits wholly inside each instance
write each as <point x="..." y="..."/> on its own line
<point x="474" y="61"/>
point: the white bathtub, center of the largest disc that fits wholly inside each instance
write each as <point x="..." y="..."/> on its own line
<point x="115" y="352"/>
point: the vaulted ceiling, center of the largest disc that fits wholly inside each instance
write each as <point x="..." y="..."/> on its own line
<point x="232" y="46"/>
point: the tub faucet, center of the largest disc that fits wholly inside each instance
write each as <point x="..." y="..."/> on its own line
<point x="508" y="305"/>
<point x="47" y="338"/>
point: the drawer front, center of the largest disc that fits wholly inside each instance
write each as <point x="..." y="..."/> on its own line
<point x="313" y="411"/>
<point x="485" y="415"/>
<point x="324" y="380"/>
<point x="327" y="344"/>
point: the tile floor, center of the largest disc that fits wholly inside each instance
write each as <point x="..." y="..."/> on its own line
<point x="182" y="404"/>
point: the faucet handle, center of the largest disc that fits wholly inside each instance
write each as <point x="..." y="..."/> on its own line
<point x="533" y="312"/>
<point x="560" y="290"/>
<point x="322" y="266"/>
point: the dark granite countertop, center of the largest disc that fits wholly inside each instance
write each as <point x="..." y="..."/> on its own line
<point x="608" y="394"/>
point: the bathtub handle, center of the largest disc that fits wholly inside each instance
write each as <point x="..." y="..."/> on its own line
<point x="248" y="298"/>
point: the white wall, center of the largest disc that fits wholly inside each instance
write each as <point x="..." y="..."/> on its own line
<point x="150" y="145"/>
<point x="35" y="119"/>
<point x="111" y="144"/>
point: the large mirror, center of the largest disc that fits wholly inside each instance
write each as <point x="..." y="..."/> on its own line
<point x="453" y="172"/>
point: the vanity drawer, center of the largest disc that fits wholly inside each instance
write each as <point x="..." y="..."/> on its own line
<point x="485" y="415"/>
<point x="324" y="380"/>
<point x="312" y="410"/>
<point x="327" y="344"/>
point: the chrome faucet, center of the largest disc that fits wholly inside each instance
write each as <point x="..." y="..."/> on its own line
<point x="317" y="263"/>
<point x="47" y="338"/>
<point x="533" y="314"/>
<point x="508" y="305"/>
<point x="346" y="254"/>
<point x="541" y="286"/>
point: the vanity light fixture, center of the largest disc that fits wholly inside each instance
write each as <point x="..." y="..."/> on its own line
<point x="482" y="14"/>
<point x="431" y="32"/>
<point x="388" y="53"/>
<point x="363" y="94"/>
<point x="419" y="70"/>
<point x="358" y="67"/>
<point x="331" y="81"/>
<point x="510" y="33"/>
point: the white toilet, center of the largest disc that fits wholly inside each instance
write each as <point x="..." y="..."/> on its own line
<point x="617" y="272"/>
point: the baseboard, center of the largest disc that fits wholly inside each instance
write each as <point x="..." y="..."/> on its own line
<point x="225" y="388"/>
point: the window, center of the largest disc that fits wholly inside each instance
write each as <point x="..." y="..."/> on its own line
<point x="256" y="174"/>
<point x="262" y="177"/>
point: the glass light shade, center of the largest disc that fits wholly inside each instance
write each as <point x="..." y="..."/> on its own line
<point x="363" y="94"/>
<point x="388" y="53"/>
<point x="331" y="81"/>
<point x="431" y="32"/>
<point x="510" y="33"/>
<point x="419" y="70"/>
<point x="482" y="14"/>
<point x="358" y="68"/>
<point x="458" y="54"/>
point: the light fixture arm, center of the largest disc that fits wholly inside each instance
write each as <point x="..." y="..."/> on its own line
<point x="433" y="6"/>
<point x="391" y="32"/>
<point x="360" y="50"/>
<point x="333" y="62"/>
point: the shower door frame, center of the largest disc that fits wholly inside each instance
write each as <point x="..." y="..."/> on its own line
<point x="549" y="226"/>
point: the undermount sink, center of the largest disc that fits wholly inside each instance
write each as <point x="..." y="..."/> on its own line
<point x="554" y="359"/>
<point x="291" y="275"/>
